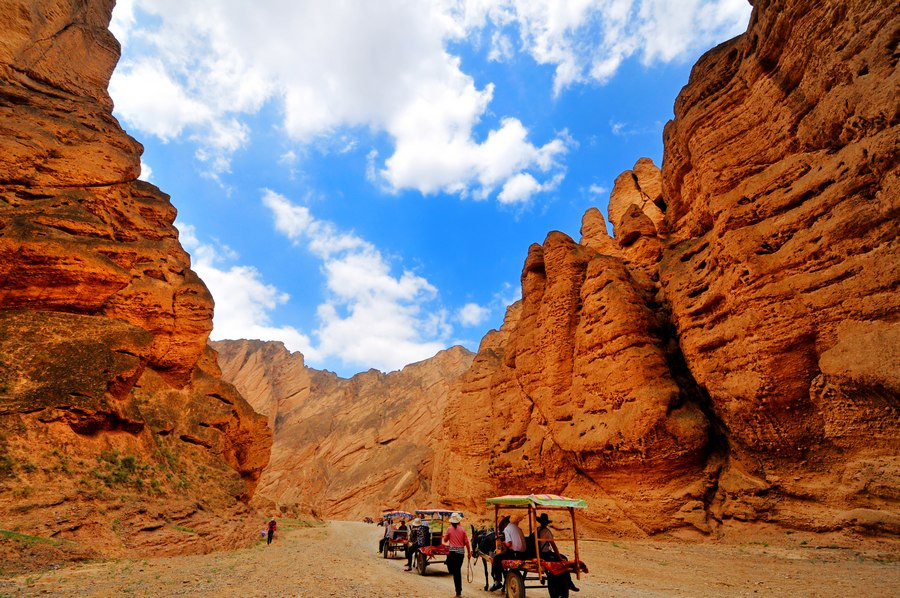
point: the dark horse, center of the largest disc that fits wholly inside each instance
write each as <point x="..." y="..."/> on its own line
<point x="484" y="545"/>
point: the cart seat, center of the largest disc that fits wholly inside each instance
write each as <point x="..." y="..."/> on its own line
<point x="551" y="567"/>
<point x="432" y="551"/>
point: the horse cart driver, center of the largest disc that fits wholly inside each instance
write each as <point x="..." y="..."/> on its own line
<point x="395" y="538"/>
<point x="546" y="565"/>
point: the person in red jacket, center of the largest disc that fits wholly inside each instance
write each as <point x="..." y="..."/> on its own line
<point x="458" y="540"/>
<point x="272" y="527"/>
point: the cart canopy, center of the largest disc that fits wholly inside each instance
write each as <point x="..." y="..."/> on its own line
<point x="439" y="513"/>
<point x="537" y="500"/>
<point x="396" y="515"/>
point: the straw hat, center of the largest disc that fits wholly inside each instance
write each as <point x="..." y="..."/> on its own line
<point x="417" y="522"/>
<point x="454" y="518"/>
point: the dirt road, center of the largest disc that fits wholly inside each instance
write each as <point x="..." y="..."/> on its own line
<point x="339" y="560"/>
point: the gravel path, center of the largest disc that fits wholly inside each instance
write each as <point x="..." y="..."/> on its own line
<point x="339" y="559"/>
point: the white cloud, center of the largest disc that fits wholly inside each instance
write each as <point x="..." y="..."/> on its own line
<point x="595" y="189"/>
<point x="200" y="69"/>
<point x="148" y="98"/>
<point x="472" y="314"/>
<point x="371" y="317"/>
<point x="589" y="39"/>
<point x="501" y="47"/>
<point x="330" y="67"/>
<point x="508" y="295"/>
<point x="624" y="129"/>
<point x="146" y="171"/>
<point x="288" y="158"/>
<point x="122" y="20"/>
<point x="520" y="188"/>
<point x="244" y="302"/>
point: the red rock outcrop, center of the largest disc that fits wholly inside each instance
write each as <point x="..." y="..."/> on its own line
<point x="732" y="354"/>
<point x="580" y="393"/>
<point x="345" y="448"/>
<point x="116" y="429"/>
<point x="783" y="261"/>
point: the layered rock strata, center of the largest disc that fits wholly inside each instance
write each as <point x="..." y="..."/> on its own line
<point x="345" y="448"/>
<point x="732" y="354"/>
<point x="116" y="429"/>
<point x="782" y="261"/>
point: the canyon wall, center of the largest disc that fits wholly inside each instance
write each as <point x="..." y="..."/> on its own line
<point x="345" y="448"/>
<point x="732" y="354"/>
<point x="116" y="429"/>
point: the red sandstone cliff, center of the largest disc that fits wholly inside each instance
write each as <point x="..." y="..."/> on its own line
<point x="782" y="262"/>
<point x="733" y="354"/>
<point x="116" y="429"/>
<point x="345" y="448"/>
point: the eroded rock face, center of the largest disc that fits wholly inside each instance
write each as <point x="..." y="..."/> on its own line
<point x="732" y="354"/>
<point x="345" y="448"/>
<point x="782" y="264"/>
<point x="578" y="393"/>
<point x="111" y="404"/>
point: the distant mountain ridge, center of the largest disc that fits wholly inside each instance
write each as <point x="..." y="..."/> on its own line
<point x="345" y="447"/>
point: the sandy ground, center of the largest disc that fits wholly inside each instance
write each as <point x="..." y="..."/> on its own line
<point x="339" y="559"/>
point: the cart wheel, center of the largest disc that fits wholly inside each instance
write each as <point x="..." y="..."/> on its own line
<point x="515" y="585"/>
<point x="421" y="563"/>
<point x="386" y="551"/>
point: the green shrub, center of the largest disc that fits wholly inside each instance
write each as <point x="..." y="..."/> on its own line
<point x="116" y="470"/>
<point x="7" y="466"/>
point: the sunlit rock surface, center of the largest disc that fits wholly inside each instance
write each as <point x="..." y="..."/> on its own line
<point x="116" y="429"/>
<point x="345" y="448"/>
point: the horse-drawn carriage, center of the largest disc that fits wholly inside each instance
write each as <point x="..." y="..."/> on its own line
<point x="554" y="575"/>
<point x="431" y="554"/>
<point x="395" y="540"/>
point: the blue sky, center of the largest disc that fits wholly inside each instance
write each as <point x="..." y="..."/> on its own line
<point x="362" y="180"/>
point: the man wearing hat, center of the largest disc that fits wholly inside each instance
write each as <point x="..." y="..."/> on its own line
<point x="548" y="549"/>
<point x="417" y="539"/>
<point x="513" y="548"/>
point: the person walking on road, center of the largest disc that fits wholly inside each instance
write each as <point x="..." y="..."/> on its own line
<point x="273" y="526"/>
<point x="458" y="541"/>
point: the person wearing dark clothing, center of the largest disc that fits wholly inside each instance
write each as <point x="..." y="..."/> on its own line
<point x="549" y="550"/>
<point x="458" y="541"/>
<point x="273" y="526"/>
<point x="417" y="540"/>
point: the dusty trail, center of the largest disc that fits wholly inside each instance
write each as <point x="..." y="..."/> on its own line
<point x="339" y="560"/>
